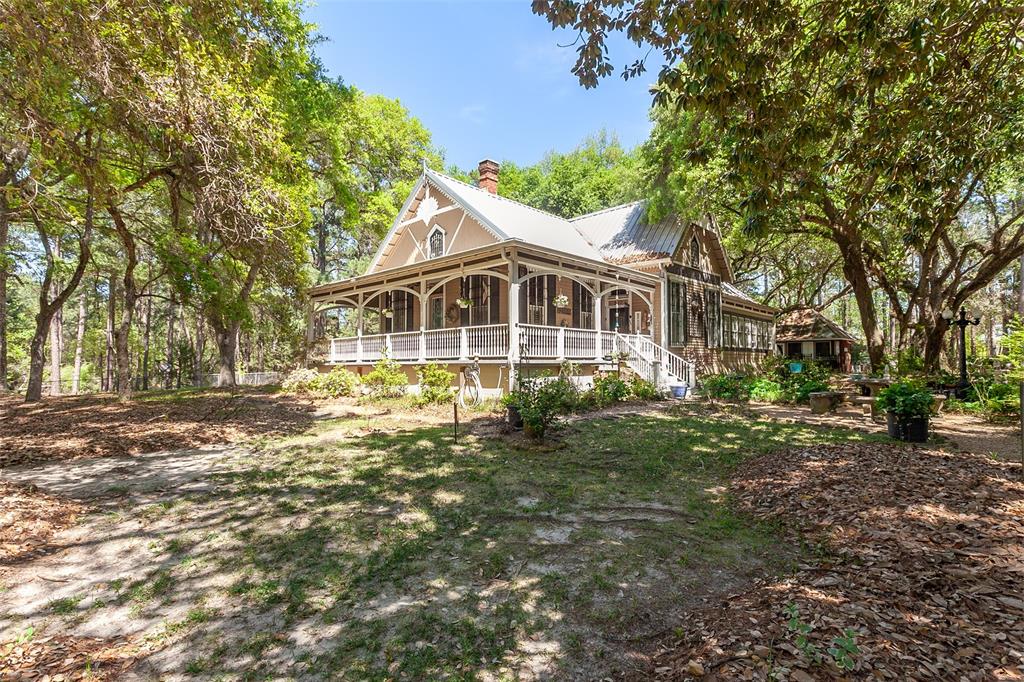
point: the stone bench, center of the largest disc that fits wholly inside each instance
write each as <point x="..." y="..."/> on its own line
<point x="940" y="399"/>
<point x="824" y="402"/>
<point x="865" y="401"/>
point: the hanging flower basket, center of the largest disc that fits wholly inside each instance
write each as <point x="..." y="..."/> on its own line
<point x="463" y="302"/>
<point x="560" y="301"/>
<point x="387" y="312"/>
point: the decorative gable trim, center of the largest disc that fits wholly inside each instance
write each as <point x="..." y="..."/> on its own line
<point x="427" y="182"/>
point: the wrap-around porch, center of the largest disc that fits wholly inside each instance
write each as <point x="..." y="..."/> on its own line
<point x="497" y="305"/>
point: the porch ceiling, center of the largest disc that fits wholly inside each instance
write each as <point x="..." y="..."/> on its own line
<point x="482" y="258"/>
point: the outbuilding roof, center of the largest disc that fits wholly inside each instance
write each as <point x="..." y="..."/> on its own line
<point x="807" y="324"/>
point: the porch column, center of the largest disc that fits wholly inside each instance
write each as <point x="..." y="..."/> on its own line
<point x="513" y="319"/>
<point x="598" y="305"/>
<point x="359" y="330"/>
<point x="423" y="320"/>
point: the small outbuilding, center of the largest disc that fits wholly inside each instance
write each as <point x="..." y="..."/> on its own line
<point x="806" y="334"/>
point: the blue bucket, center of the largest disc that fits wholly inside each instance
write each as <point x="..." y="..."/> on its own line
<point x="679" y="390"/>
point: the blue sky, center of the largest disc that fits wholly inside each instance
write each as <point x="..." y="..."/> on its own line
<point x="486" y="77"/>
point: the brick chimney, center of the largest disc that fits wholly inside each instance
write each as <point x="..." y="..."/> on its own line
<point x="488" y="171"/>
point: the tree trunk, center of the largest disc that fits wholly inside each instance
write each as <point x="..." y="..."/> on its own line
<point x="226" y="332"/>
<point x="172" y="318"/>
<point x="1020" y="288"/>
<point x="76" y="378"/>
<point x="227" y="347"/>
<point x="4" y="229"/>
<point x="855" y="270"/>
<point x="122" y="333"/>
<point x="108" y="360"/>
<point x="145" y="343"/>
<point x="47" y="308"/>
<point x="197" y="367"/>
<point x="56" y="332"/>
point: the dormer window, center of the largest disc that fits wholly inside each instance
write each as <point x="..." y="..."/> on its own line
<point x="695" y="253"/>
<point x="435" y="243"/>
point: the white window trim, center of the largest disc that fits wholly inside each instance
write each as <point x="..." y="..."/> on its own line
<point x="444" y="239"/>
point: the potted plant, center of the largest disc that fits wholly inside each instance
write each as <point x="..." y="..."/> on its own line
<point x="560" y="301"/>
<point x="463" y="302"/>
<point x="387" y="312"/>
<point x="908" y="406"/>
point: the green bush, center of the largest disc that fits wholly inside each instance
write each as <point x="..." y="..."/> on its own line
<point x="765" y="390"/>
<point x="906" y="399"/>
<point x="337" y="383"/>
<point x="538" y="404"/>
<point x="564" y="393"/>
<point x="800" y="391"/>
<point x="435" y="384"/>
<point x="299" y="380"/>
<point x="996" y="401"/>
<point x="386" y="379"/>
<point x="731" y="387"/>
<point x="609" y="389"/>
<point x="641" y="389"/>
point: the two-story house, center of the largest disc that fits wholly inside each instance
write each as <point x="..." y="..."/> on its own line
<point x="465" y="275"/>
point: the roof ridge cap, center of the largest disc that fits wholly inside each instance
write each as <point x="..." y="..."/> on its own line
<point x="606" y="210"/>
<point x="500" y="197"/>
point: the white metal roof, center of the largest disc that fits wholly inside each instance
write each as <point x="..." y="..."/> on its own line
<point x="512" y="220"/>
<point x="622" y="233"/>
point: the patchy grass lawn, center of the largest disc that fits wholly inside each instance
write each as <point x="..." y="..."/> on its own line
<point x="375" y="548"/>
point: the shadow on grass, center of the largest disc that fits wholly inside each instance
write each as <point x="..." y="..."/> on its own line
<point x="383" y="552"/>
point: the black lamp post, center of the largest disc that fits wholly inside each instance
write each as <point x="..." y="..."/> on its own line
<point x="963" y="322"/>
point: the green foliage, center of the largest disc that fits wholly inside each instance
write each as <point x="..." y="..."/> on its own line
<point x="906" y="399"/>
<point x="995" y="401"/>
<point x="842" y="650"/>
<point x="609" y="389"/>
<point x="909" y="362"/>
<point x="386" y="379"/>
<point x="776" y="383"/>
<point x="598" y="174"/>
<point x="641" y="389"/>
<point x="1013" y="347"/>
<point x="765" y="390"/>
<point x="731" y="387"/>
<point x="538" y="403"/>
<point x="337" y="383"/>
<point x="435" y="383"/>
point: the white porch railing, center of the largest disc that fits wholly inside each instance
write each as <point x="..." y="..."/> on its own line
<point x="647" y="358"/>
<point x="486" y="341"/>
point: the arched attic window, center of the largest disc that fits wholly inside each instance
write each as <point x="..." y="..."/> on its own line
<point x="695" y="253"/>
<point x="435" y="242"/>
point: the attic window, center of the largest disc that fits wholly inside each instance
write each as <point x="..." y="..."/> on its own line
<point x="694" y="253"/>
<point x="435" y="243"/>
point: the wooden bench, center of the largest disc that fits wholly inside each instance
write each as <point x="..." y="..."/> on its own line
<point x="825" y="401"/>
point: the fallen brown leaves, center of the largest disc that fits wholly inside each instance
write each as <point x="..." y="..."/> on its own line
<point x="29" y="518"/>
<point x="90" y="426"/>
<point x="922" y="560"/>
<point x="63" y="658"/>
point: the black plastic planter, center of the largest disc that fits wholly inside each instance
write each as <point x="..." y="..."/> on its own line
<point x="515" y="420"/>
<point x="908" y="429"/>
